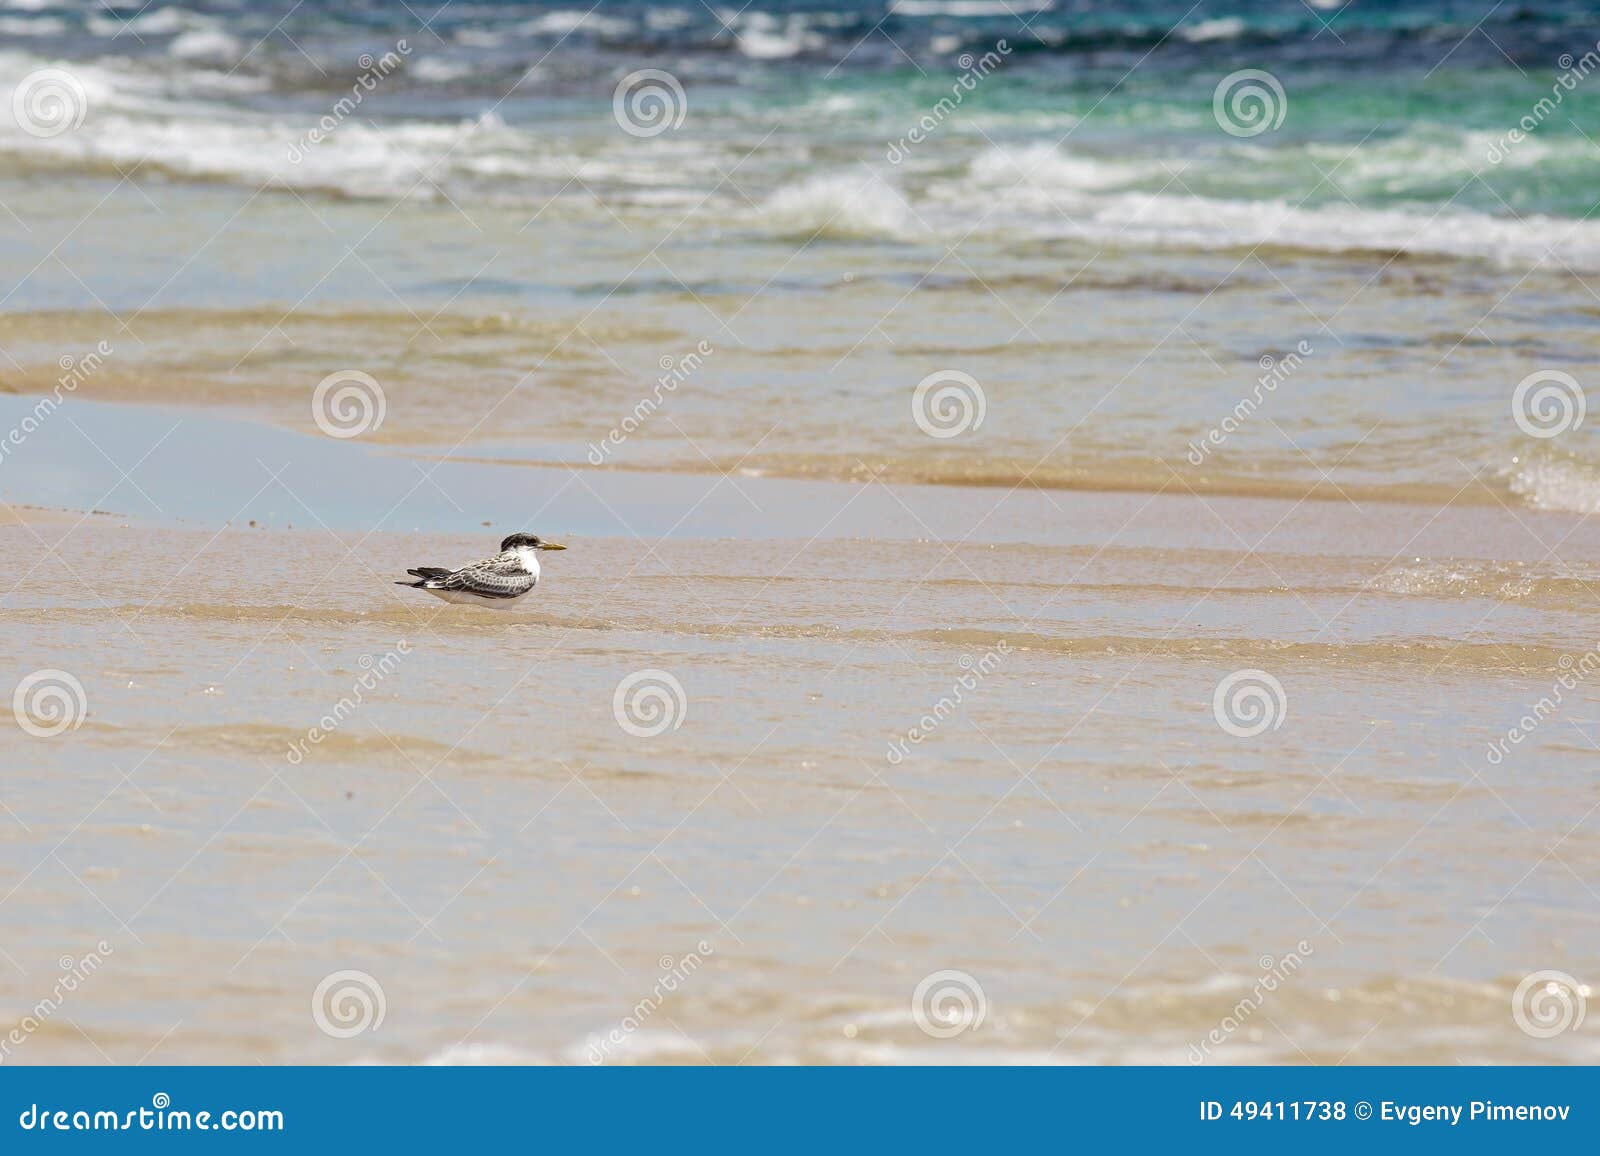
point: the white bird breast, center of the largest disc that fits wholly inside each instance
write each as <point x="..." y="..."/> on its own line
<point x="465" y="598"/>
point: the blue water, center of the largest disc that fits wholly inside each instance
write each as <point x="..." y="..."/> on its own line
<point x="1432" y="87"/>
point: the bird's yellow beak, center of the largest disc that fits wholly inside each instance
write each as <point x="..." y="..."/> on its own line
<point x="551" y="546"/>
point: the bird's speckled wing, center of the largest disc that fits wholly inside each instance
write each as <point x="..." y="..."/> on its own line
<point x="491" y="578"/>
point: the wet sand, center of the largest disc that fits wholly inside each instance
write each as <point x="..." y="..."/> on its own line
<point x="32" y="516"/>
<point x="798" y="848"/>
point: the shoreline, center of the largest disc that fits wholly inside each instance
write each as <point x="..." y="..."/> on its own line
<point x="545" y="386"/>
<point x="355" y="486"/>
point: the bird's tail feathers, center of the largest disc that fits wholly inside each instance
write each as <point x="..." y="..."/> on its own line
<point x="426" y="574"/>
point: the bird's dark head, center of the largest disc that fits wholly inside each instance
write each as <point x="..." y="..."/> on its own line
<point x="528" y="541"/>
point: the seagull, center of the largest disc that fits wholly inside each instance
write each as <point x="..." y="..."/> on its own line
<point x="497" y="582"/>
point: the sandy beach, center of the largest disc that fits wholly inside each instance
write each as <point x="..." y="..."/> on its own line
<point x="1097" y="583"/>
<point x="514" y="866"/>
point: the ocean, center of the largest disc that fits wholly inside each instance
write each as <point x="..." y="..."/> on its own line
<point x="1078" y="233"/>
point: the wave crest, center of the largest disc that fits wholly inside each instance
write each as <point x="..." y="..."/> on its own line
<point x="841" y="205"/>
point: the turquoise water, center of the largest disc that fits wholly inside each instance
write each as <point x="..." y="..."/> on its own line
<point x="1421" y="91"/>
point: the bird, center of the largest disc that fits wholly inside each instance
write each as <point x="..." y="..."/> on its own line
<point x="498" y="582"/>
